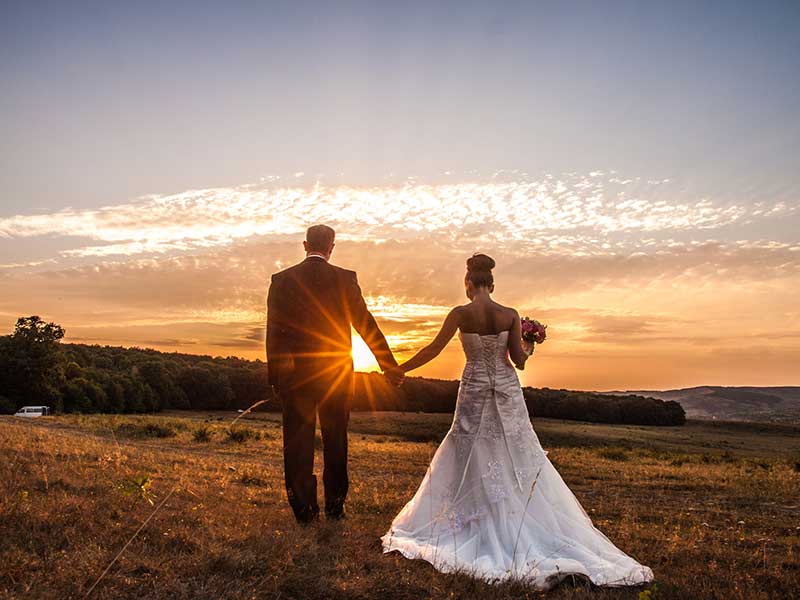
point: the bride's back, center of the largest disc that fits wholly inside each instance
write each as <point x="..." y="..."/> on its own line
<point x="485" y="318"/>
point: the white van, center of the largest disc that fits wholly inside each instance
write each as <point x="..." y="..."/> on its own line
<point x="33" y="411"/>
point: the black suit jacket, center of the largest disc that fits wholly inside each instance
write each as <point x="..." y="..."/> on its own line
<point x="310" y="308"/>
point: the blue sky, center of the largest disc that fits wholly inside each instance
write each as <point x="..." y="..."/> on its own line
<point x="106" y="101"/>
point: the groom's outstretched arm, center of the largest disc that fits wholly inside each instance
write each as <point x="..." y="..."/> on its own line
<point x="366" y="326"/>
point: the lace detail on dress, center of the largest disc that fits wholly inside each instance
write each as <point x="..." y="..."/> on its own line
<point x="496" y="492"/>
<point x="494" y="469"/>
<point x="490" y="426"/>
<point x="522" y="436"/>
<point x="462" y="442"/>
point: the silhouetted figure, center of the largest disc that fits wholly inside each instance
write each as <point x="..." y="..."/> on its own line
<point x="310" y="309"/>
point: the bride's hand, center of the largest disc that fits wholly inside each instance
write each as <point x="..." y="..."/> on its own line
<point x="395" y="375"/>
<point x="527" y="347"/>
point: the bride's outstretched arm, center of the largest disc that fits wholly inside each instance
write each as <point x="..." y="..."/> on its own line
<point x="432" y="350"/>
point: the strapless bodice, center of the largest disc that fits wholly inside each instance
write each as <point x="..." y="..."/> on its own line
<point x="485" y="349"/>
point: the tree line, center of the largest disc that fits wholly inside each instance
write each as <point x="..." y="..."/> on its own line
<point x="37" y="368"/>
<point x="432" y="395"/>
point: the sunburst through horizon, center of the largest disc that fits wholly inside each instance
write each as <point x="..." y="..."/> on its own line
<point x="363" y="359"/>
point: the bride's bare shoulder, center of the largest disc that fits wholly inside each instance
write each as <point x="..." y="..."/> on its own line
<point x="511" y="312"/>
<point x="459" y="310"/>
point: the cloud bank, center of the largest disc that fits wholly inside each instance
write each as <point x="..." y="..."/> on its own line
<point x="642" y="284"/>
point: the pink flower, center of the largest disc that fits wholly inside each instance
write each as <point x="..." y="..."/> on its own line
<point x="533" y="331"/>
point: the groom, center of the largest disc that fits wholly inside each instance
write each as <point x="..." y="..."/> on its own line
<point x="310" y="309"/>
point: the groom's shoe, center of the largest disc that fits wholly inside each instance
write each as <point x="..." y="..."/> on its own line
<point x="308" y="521"/>
<point x="335" y="515"/>
<point x="307" y="516"/>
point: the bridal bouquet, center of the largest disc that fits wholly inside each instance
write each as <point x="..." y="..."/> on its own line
<point x="533" y="332"/>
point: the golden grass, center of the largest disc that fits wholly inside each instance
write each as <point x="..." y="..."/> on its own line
<point x="713" y="509"/>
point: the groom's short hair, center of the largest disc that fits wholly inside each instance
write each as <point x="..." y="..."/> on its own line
<point x="319" y="238"/>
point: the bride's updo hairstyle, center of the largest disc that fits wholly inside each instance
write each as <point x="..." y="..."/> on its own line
<point x="479" y="270"/>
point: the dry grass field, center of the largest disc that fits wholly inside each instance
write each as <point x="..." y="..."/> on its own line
<point x="713" y="508"/>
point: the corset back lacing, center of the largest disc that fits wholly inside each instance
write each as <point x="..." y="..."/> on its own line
<point x="489" y="350"/>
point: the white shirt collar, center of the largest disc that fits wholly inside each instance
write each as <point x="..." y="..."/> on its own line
<point x="316" y="255"/>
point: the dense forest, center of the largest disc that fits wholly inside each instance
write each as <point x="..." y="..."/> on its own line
<point x="37" y="368"/>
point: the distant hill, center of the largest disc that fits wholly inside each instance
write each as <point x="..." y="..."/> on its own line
<point x="764" y="404"/>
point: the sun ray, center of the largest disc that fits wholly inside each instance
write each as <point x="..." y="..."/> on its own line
<point x="363" y="359"/>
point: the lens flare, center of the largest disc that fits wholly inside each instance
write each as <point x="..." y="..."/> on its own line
<point x="363" y="359"/>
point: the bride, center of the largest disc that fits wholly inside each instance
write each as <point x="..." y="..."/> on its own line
<point x="491" y="503"/>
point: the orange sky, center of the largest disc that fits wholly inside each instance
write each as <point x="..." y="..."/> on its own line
<point x="642" y="286"/>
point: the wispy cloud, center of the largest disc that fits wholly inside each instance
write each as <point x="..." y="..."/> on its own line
<point x="27" y="264"/>
<point x="546" y="213"/>
<point x="638" y="280"/>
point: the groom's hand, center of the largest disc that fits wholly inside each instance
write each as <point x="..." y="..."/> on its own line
<point x="395" y="375"/>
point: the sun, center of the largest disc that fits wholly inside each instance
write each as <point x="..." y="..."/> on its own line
<point x="363" y="359"/>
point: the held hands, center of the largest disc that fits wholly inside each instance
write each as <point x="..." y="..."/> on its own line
<point x="395" y="375"/>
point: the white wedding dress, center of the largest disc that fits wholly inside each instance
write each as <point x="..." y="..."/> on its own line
<point x="491" y="503"/>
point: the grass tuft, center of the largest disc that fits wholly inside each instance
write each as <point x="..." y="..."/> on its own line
<point x="240" y="434"/>
<point x="203" y="434"/>
<point x="145" y="430"/>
